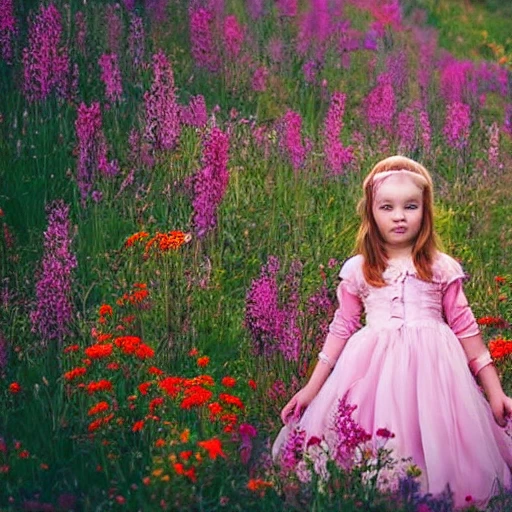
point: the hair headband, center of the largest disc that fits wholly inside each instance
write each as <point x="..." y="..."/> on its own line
<point x="418" y="179"/>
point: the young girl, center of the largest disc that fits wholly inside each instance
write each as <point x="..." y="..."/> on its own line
<point x="413" y="368"/>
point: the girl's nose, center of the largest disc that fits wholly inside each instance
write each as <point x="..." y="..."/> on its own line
<point x="398" y="214"/>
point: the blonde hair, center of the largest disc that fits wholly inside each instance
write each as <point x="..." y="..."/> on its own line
<point x="369" y="241"/>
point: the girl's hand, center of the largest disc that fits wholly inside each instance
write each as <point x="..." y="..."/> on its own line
<point x="293" y="409"/>
<point x="501" y="407"/>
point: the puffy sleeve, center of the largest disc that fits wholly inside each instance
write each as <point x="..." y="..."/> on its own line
<point x="347" y="318"/>
<point x="456" y="309"/>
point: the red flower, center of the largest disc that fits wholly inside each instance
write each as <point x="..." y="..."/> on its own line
<point x="385" y="433"/>
<point x="213" y="447"/>
<point x="156" y="402"/>
<point x="153" y="370"/>
<point x="99" y="351"/>
<point x="105" y="310"/>
<point x="196" y="396"/>
<point x="500" y="280"/>
<point x="71" y="348"/>
<point x="252" y="384"/>
<point x="171" y="385"/>
<point x="101" y="385"/>
<point x="144" y="387"/>
<point x="99" y="407"/>
<point x="138" y="426"/>
<point x="14" y="388"/>
<point x="229" y="382"/>
<point x="203" y="361"/>
<point x="144" y="351"/>
<point x="232" y="400"/>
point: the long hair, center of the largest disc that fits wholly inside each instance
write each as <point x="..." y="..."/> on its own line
<point x="369" y="241"/>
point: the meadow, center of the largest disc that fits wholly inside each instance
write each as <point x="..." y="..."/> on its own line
<point x="178" y="191"/>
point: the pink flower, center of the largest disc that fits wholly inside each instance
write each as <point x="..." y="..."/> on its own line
<point x="111" y="76"/>
<point x="201" y="39"/>
<point x="457" y="125"/>
<point x="233" y="36"/>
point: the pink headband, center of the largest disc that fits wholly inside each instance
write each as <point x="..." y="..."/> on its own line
<point x="418" y="179"/>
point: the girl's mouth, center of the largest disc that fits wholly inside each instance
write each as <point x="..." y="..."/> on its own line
<point x="399" y="231"/>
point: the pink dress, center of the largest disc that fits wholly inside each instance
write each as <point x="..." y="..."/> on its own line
<point x="406" y="371"/>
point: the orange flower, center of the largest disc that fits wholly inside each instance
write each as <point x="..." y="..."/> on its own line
<point x="258" y="485"/>
<point x="14" y="388"/>
<point x="71" y="348"/>
<point x="229" y="382"/>
<point x="167" y="241"/>
<point x="185" y="435"/>
<point x="98" y="351"/>
<point x="196" y="396"/>
<point x="75" y="373"/>
<point x="135" y="238"/>
<point x="232" y="400"/>
<point x="138" y="426"/>
<point x="213" y="447"/>
<point x="105" y="310"/>
<point x="159" y="443"/>
<point x="101" y="385"/>
<point x="203" y="361"/>
<point x="99" y="407"/>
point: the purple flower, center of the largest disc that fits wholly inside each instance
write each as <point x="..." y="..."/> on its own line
<point x="114" y="27"/>
<point x="136" y="38"/>
<point x="337" y="157"/>
<point x="233" y="36"/>
<point x="255" y="8"/>
<point x="129" y="5"/>
<point x="309" y="69"/>
<point x="381" y="104"/>
<point x="156" y="10"/>
<point x="275" y="49"/>
<point x="396" y="65"/>
<point x="457" y="125"/>
<point x="287" y="8"/>
<point x="493" y="151"/>
<point x="290" y="139"/>
<point x="4" y="354"/>
<point x="195" y="114"/>
<point x="345" y="435"/>
<point x="259" y="79"/>
<point x="201" y="39"/>
<point x="454" y="79"/>
<point x="426" y="131"/>
<point x="91" y="148"/>
<point x="8" y="30"/>
<point x="211" y="182"/>
<point x="54" y="308"/>
<point x="315" y="26"/>
<point x="111" y="76"/>
<point x="81" y="32"/>
<point x="45" y="62"/>
<point x="292" y="451"/>
<point x="406" y="130"/>
<point x="163" y="126"/>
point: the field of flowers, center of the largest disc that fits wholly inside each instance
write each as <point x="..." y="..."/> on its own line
<point x="178" y="183"/>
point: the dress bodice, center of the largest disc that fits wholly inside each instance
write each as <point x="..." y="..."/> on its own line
<point x="405" y="299"/>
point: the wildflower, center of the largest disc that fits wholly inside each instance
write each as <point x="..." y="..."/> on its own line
<point x="54" y="311"/>
<point x="213" y="447"/>
<point x="111" y="76"/>
<point x="153" y="370"/>
<point x="101" y="385"/>
<point x="113" y="366"/>
<point x="195" y="396"/>
<point x="95" y="425"/>
<point x="201" y="39"/>
<point x="114" y="26"/>
<point x="229" y="382"/>
<point x="215" y="409"/>
<point x="337" y="156"/>
<point x="185" y="435"/>
<point x="156" y="402"/>
<point x="45" y="60"/>
<point x="384" y="433"/>
<point x="500" y="279"/>
<point x="159" y="443"/>
<point x="457" y="125"/>
<point x="144" y="387"/>
<point x="8" y="30"/>
<point x="105" y="310"/>
<point x="203" y="361"/>
<point x="185" y="455"/>
<point x="210" y="183"/>
<point x="252" y="384"/>
<point x="500" y="348"/>
<point x="290" y="140"/>
<point x="98" y="351"/>
<point x="75" y="373"/>
<point x="381" y="104"/>
<point x="195" y="114"/>
<point x="144" y="351"/>
<point x="231" y="400"/>
<point x="259" y="79"/>
<point x="71" y="348"/>
<point x="495" y="321"/>
<point x="233" y="36"/>
<point x="171" y="385"/>
<point x="167" y="241"/>
<point x="136" y="41"/>
<point x="135" y="238"/>
<point x="24" y="454"/>
<point x="258" y="485"/>
<point x="162" y="112"/>
<point x="98" y="408"/>
<point x="14" y="388"/>
<point x="193" y="352"/>
<point x="138" y="426"/>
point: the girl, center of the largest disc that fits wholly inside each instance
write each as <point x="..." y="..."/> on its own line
<point x="412" y="368"/>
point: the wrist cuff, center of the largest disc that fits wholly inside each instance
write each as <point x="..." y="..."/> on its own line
<point x="478" y="363"/>
<point x="325" y="359"/>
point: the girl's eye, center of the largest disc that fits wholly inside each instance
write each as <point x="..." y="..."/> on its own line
<point x="385" y="207"/>
<point x="411" y="207"/>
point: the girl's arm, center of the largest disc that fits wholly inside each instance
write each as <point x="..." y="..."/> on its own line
<point x="460" y="318"/>
<point x="347" y="320"/>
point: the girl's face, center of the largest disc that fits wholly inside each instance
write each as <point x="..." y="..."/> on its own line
<point x="398" y="211"/>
